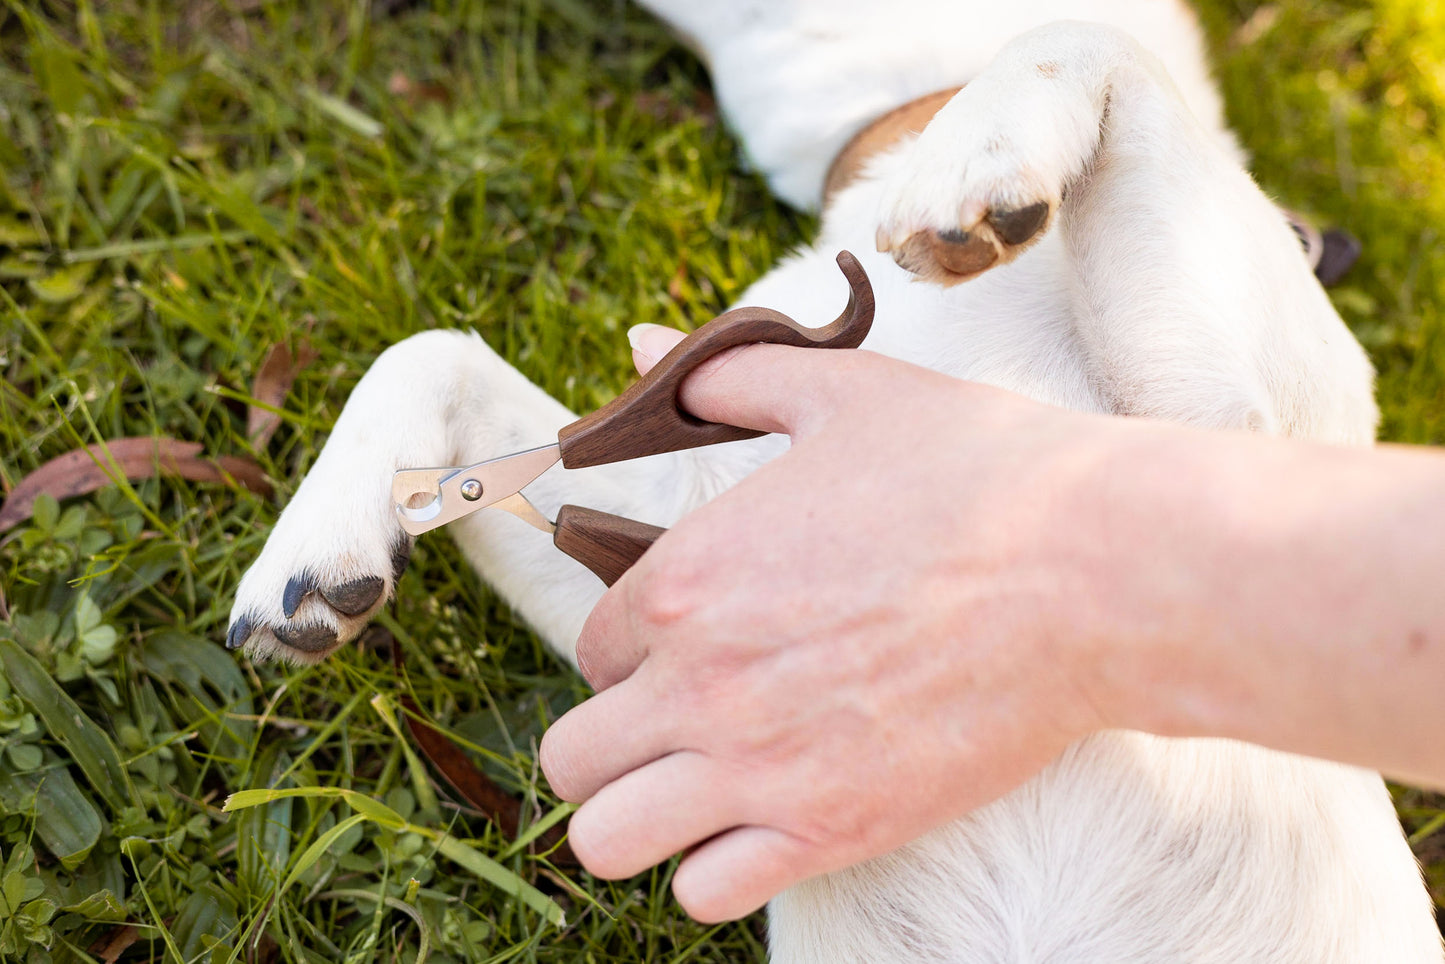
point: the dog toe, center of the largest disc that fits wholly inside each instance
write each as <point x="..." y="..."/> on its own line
<point x="355" y="597"/>
<point x="1019" y="225"/>
<point x="308" y="639"/>
<point x="963" y="253"/>
<point x="948" y="256"/>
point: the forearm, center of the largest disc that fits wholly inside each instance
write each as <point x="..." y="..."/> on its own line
<point x="1281" y="593"/>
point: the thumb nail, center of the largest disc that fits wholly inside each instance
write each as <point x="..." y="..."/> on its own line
<point x="651" y="342"/>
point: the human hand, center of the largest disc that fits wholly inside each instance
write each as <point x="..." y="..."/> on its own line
<point x="852" y="646"/>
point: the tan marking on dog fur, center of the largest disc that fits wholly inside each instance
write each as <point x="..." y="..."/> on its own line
<point x="878" y="136"/>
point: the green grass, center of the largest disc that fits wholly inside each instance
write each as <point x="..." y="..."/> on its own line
<point x="183" y="190"/>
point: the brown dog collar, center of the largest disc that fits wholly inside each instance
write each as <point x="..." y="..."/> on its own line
<point x="878" y="136"/>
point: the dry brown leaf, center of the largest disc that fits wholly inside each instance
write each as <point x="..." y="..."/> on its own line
<point x="95" y="466"/>
<point x="474" y="786"/>
<point x="273" y="381"/>
<point x="402" y="86"/>
<point x="111" y="946"/>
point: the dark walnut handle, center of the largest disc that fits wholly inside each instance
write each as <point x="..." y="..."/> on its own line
<point x="605" y="543"/>
<point x="646" y="419"/>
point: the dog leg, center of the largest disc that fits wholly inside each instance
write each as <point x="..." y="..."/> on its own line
<point x="441" y="398"/>
<point x="797" y="78"/>
<point x="1190" y="295"/>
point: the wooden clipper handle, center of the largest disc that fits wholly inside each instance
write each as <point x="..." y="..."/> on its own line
<point x="605" y="543"/>
<point x="646" y="419"/>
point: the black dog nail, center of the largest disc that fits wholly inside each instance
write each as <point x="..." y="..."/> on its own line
<point x="400" y="556"/>
<point x="298" y="587"/>
<point x="239" y="632"/>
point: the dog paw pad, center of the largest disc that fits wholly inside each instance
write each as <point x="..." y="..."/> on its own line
<point x="355" y="597"/>
<point x="1020" y="224"/>
<point x="311" y="638"/>
<point x="987" y="237"/>
<point x="945" y="256"/>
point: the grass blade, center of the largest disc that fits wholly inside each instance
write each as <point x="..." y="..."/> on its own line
<point x="344" y="114"/>
<point x="482" y="866"/>
<point x="498" y="876"/>
<point x="537" y="829"/>
<point x="313" y="853"/>
<point x="373" y="809"/>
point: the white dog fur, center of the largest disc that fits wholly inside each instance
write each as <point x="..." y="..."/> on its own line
<point x="1164" y="284"/>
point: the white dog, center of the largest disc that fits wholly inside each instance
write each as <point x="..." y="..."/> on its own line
<point x="1119" y="260"/>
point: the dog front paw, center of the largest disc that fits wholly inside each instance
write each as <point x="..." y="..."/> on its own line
<point x="966" y="199"/>
<point x="327" y="568"/>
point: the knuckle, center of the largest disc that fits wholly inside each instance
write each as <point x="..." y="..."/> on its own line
<point x="591" y="650"/>
<point x="666" y="597"/>
<point x="589" y="653"/>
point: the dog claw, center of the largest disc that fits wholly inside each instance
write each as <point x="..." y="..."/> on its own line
<point x="298" y="587"/>
<point x="355" y="597"/>
<point x="400" y="556"/>
<point x="239" y="632"/>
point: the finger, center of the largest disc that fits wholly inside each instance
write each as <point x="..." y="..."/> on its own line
<point x="739" y="871"/>
<point x="610" y="647"/>
<point x="649" y="343"/>
<point x="773" y="388"/>
<point x="609" y="735"/>
<point x="646" y="816"/>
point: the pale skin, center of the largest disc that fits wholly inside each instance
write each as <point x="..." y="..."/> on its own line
<point x="941" y="585"/>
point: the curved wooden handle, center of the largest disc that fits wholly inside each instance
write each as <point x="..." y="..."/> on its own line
<point x="605" y="543"/>
<point x="646" y="419"/>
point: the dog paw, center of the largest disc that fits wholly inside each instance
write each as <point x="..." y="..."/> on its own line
<point x="327" y="568"/>
<point x="955" y="209"/>
<point x="979" y="241"/>
<point x="985" y="178"/>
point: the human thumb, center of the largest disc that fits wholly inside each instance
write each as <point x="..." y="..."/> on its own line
<point x="649" y="343"/>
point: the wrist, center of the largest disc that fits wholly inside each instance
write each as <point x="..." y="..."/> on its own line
<point x="1172" y="530"/>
